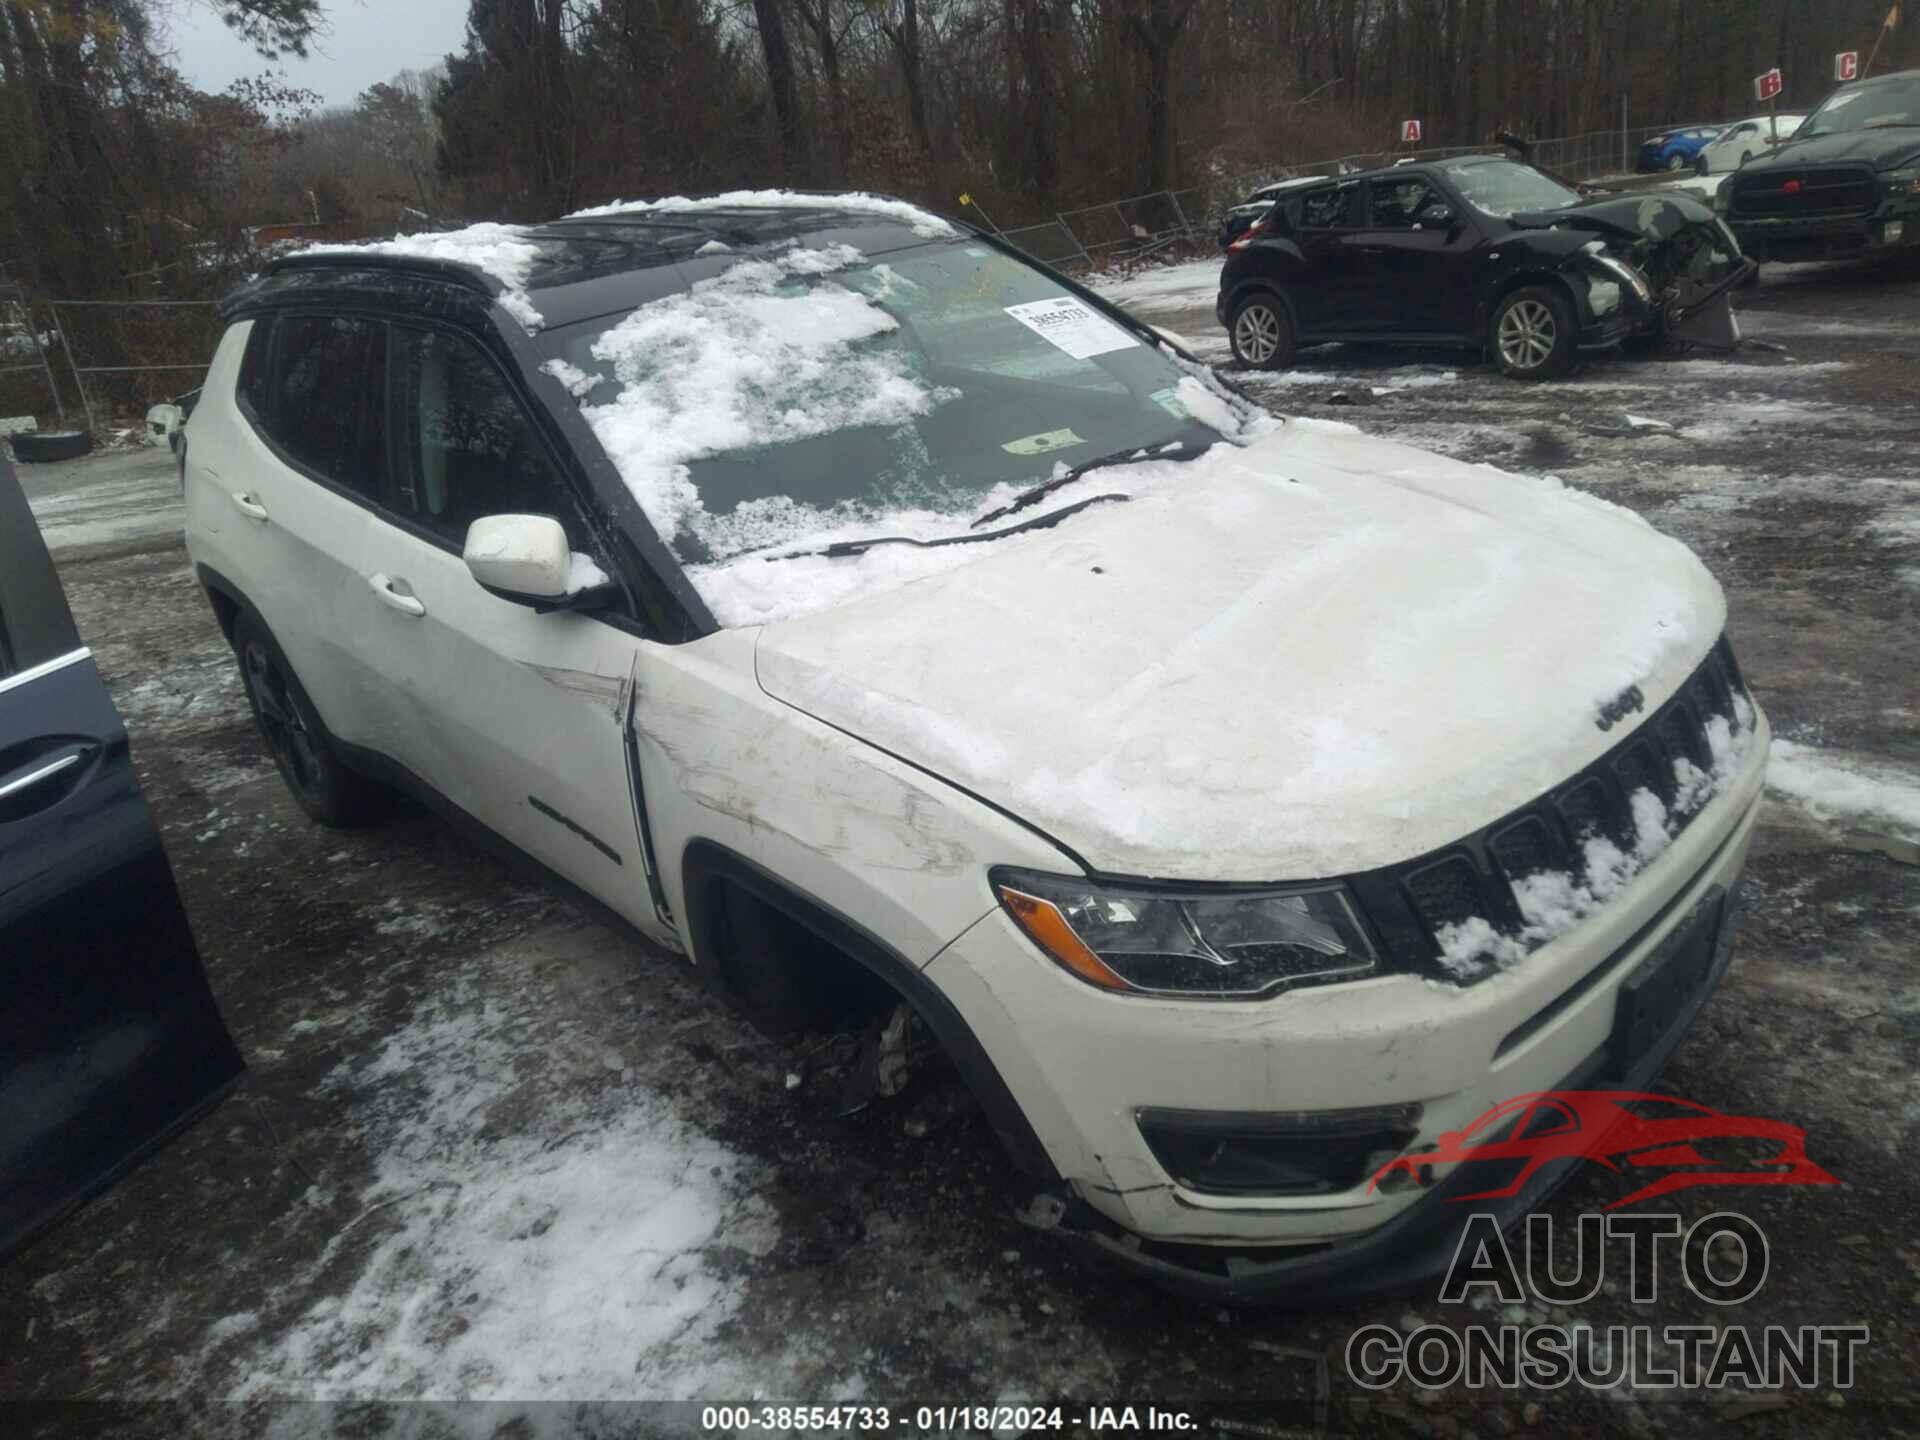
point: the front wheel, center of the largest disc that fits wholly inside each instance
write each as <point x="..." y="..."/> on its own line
<point x="1533" y="334"/>
<point x="1261" y="332"/>
<point x="1702" y="167"/>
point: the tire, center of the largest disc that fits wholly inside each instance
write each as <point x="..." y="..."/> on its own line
<point x="1701" y="167"/>
<point x="1532" y="334"/>
<point x="1261" y="332"/>
<point x="302" y="750"/>
<point x="41" y="446"/>
<point x="1676" y="162"/>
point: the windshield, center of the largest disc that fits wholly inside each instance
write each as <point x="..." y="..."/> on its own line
<point x="1502" y="188"/>
<point x="1896" y="102"/>
<point x="823" y="391"/>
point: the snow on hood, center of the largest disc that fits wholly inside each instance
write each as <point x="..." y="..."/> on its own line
<point x="1316" y="655"/>
<point x="501" y="251"/>
<point x="922" y="222"/>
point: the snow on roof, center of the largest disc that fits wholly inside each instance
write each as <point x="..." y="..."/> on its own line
<point x="923" y="222"/>
<point x="501" y="251"/>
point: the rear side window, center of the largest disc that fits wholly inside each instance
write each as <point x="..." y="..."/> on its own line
<point x="327" y="408"/>
<point x="1329" y="209"/>
<point x="256" y="368"/>
<point x="463" y="446"/>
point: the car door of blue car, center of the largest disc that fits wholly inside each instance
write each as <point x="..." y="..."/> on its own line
<point x="110" y="1039"/>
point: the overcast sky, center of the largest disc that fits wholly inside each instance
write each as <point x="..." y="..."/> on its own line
<point x="363" y="41"/>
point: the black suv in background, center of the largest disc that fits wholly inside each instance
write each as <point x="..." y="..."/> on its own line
<point x="1847" y="183"/>
<point x="1478" y="251"/>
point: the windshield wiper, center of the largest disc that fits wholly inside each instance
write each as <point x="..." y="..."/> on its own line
<point x="1039" y="492"/>
<point x="841" y="549"/>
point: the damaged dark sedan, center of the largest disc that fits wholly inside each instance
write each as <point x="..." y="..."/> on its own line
<point x="1479" y="251"/>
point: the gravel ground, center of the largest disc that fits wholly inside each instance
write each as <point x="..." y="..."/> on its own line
<point x="488" y="1149"/>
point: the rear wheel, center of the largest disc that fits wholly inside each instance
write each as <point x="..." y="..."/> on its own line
<point x="1533" y="334"/>
<point x="1676" y="162"/>
<point x="1261" y="331"/>
<point x="302" y="749"/>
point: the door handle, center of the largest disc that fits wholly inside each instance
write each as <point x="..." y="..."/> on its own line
<point x="248" y="506"/>
<point x="384" y="586"/>
<point x="39" y="776"/>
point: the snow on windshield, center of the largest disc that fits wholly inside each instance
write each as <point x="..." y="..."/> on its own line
<point x="735" y="362"/>
<point x="501" y="251"/>
<point x="794" y="346"/>
<point x="923" y="222"/>
<point x="1502" y="189"/>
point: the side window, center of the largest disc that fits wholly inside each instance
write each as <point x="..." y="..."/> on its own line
<point x="328" y="406"/>
<point x="463" y="446"/>
<point x="1329" y="209"/>
<point x="256" y="368"/>
<point x="1396" y="204"/>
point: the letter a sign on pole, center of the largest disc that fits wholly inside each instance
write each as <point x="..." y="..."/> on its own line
<point x="1846" y="66"/>
<point x="1409" y="132"/>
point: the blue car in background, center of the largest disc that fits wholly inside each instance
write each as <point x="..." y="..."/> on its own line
<point x="1675" y="149"/>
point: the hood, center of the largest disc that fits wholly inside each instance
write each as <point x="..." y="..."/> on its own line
<point x="1310" y="657"/>
<point x="1632" y="218"/>
<point x="1887" y="149"/>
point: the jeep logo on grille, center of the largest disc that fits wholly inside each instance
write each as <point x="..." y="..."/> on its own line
<point x="1625" y="703"/>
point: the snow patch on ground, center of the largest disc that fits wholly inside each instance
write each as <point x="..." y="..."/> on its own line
<point x="554" y="1251"/>
<point x="1837" y="786"/>
<point x="502" y="251"/>
<point x="1178" y="285"/>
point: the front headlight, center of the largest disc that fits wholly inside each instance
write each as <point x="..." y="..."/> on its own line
<point x="1903" y="182"/>
<point x="1220" y="945"/>
<point x="1624" y="273"/>
<point x="1723" y="196"/>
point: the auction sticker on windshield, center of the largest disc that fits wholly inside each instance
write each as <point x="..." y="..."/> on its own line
<point x="1071" y="326"/>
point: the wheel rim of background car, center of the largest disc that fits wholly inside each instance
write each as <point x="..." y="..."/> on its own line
<point x="1257" y="333"/>
<point x="1527" y="334"/>
<point x="1676" y="162"/>
<point x="280" y="720"/>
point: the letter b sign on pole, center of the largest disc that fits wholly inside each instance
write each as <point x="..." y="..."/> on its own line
<point x="1846" y="66"/>
<point x="1767" y="86"/>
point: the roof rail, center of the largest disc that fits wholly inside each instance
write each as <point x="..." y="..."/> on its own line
<point x="470" y="276"/>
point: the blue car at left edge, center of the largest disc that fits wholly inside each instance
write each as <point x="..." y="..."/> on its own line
<point x="1675" y="149"/>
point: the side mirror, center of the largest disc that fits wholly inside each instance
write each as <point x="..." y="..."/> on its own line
<point x="526" y="559"/>
<point x="1435" y="217"/>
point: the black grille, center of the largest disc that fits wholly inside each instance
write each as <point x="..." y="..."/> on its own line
<point x="1411" y="902"/>
<point x="1791" y="194"/>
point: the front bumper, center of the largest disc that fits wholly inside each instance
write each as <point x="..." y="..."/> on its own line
<point x="1083" y="1064"/>
<point x="1831" y="238"/>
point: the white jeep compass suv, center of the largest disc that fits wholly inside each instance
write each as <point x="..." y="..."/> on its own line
<point x="827" y="591"/>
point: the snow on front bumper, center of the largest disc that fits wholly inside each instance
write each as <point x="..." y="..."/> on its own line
<point x="1082" y="1063"/>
